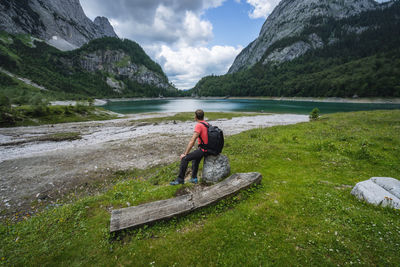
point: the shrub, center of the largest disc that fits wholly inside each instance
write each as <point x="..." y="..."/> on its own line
<point x="40" y="110"/>
<point x="5" y="103"/>
<point x="314" y="115"/>
<point x="68" y="110"/>
<point x="57" y="110"/>
<point x="81" y="108"/>
<point x="90" y="102"/>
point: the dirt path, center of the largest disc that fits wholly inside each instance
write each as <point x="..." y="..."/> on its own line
<point x="42" y="170"/>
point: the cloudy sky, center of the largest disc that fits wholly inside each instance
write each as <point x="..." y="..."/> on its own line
<point x="188" y="38"/>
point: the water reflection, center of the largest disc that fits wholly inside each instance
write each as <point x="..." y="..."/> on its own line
<point x="229" y="105"/>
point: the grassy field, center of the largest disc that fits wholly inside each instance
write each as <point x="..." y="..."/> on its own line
<point x="39" y="115"/>
<point x="301" y="214"/>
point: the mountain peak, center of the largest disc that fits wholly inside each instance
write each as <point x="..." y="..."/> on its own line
<point x="104" y="24"/>
<point x="55" y="21"/>
<point x="290" y="18"/>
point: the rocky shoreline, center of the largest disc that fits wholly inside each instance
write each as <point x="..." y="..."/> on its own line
<point x="33" y="170"/>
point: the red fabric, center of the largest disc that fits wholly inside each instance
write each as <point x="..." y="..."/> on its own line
<point x="202" y="130"/>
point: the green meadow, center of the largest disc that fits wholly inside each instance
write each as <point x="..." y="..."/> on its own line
<point x="302" y="214"/>
<point x="34" y="115"/>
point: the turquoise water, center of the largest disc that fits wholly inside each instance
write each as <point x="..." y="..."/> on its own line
<point x="236" y="105"/>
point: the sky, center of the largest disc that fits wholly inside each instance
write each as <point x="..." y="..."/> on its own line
<point x="190" y="39"/>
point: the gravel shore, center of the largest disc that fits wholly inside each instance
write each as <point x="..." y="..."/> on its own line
<point x="32" y="169"/>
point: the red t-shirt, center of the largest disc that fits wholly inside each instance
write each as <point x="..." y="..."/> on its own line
<point x="202" y="130"/>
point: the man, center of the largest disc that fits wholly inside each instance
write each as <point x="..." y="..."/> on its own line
<point x="200" y="133"/>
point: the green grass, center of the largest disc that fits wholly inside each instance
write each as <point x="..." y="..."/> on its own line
<point x="39" y="115"/>
<point x="302" y="214"/>
<point x="124" y="62"/>
<point x="5" y="38"/>
<point x="21" y="93"/>
<point x="26" y="39"/>
<point x="4" y="50"/>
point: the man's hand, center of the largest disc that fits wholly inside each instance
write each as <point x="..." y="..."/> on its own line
<point x="191" y="144"/>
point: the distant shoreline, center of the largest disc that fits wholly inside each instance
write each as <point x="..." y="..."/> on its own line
<point x="361" y="100"/>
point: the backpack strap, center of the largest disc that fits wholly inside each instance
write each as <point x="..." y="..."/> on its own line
<point x="205" y="124"/>
<point x="203" y="145"/>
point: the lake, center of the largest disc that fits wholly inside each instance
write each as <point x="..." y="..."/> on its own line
<point x="238" y="105"/>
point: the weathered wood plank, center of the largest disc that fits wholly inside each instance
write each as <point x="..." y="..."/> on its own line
<point x="154" y="211"/>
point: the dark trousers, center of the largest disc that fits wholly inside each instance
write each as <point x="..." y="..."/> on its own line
<point x="195" y="157"/>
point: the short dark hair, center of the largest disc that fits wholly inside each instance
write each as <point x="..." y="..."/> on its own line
<point x="199" y="114"/>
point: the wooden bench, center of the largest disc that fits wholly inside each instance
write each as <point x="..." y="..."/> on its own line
<point x="136" y="216"/>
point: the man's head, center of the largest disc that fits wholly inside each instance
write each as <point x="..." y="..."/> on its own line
<point x="199" y="114"/>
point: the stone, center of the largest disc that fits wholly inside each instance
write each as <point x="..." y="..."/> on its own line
<point x="382" y="191"/>
<point x="389" y="184"/>
<point x="215" y="168"/>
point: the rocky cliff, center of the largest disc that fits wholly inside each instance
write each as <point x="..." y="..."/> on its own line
<point x="288" y="20"/>
<point x="119" y="66"/>
<point x="104" y="67"/>
<point x="62" y="23"/>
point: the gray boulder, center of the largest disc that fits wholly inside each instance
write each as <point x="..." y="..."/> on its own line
<point x="215" y="168"/>
<point x="384" y="191"/>
<point x="389" y="184"/>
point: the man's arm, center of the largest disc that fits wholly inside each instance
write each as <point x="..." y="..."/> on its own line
<point x="191" y="144"/>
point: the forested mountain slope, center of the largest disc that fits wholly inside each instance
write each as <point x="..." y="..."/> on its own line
<point x="361" y="57"/>
<point x="106" y="67"/>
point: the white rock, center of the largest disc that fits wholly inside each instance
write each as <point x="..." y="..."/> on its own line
<point x="375" y="194"/>
<point x="389" y="184"/>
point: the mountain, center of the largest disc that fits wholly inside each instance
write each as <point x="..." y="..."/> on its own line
<point x="289" y="19"/>
<point x="61" y="23"/>
<point x="52" y="45"/>
<point x="318" y="48"/>
<point x="104" y="68"/>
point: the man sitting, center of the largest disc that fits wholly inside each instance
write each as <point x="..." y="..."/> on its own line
<point x="200" y="133"/>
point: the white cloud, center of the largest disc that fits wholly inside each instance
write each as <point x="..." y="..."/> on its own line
<point x="186" y="65"/>
<point x="173" y="32"/>
<point x="262" y="8"/>
<point x="212" y="3"/>
<point x="196" y="30"/>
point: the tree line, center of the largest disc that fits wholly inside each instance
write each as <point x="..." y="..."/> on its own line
<point x="364" y="65"/>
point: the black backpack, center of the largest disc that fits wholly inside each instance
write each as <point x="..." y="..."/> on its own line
<point x="215" y="140"/>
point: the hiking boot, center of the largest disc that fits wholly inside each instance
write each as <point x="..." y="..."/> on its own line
<point x="177" y="181"/>
<point x="193" y="180"/>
